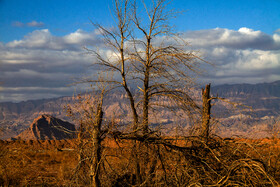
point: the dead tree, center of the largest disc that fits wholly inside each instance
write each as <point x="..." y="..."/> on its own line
<point x="87" y="110"/>
<point x="162" y="68"/>
<point x="96" y="141"/>
<point x="154" y="60"/>
<point x="206" y="112"/>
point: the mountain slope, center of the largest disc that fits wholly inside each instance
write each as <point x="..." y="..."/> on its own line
<point x="263" y="99"/>
<point x="243" y="90"/>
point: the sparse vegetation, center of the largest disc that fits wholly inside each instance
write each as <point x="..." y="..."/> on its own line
<point x="222" y="162"/>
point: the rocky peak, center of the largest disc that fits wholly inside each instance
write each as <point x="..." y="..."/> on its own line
<point x="47" y="127"/>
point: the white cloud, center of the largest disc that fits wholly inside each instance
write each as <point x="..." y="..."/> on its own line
<point x="241" y="39"/>
<point x="239" y="56"/>
<point x="258" y="60"/>
<point x="249" y="32"/>
<point x="276" y="38"/>
<point x="41" y="60"/>
<point x="38" y="38"/>
<point x="43" y="39"/>
<point x="29" y="24"/>
<point x="35" y="24"/>
<point x="44" y="64"/>
<point x="78" y="37"/>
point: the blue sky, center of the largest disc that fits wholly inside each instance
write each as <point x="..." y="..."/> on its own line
<point x="62" y="17"/>
<point x="41" y="41"/>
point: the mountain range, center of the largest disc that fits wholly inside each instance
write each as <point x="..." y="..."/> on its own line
<point x="241" y="109"/>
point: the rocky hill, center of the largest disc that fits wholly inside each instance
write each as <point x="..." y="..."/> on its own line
<point x="258" y="104"/>
<point x="46" y="127"/>
<point x="16" y="117"/>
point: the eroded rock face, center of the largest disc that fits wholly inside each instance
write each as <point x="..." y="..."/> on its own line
<point x="46" y="127"/>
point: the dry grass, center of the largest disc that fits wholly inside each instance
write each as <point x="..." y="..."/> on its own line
<point x="191" y="162"/>
<point x="31" y="163"/>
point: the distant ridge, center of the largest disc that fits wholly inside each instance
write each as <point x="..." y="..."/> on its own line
<point x="260" y="89"/>
<point x="47" y="127"/>
<point x="261" y="106"/>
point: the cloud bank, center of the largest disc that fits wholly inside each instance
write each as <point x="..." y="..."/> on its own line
<point x="42" y="65"/>
<point x="242" y="56"/>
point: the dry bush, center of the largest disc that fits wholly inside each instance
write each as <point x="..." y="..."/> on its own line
<point x="269" y="152"/>
<point x="164" y="161"/>
<point x="187" y="161"/>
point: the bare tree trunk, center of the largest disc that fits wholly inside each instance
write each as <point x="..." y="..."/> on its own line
<point x="146" y="87"/>
<point x="206" y="111"/>
<point x="145" y="108"/>
<point x="94" y="170"/>
<point x="135" y="157"/>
